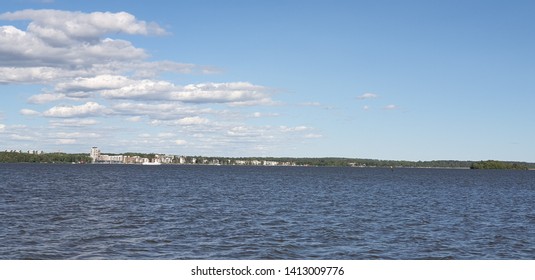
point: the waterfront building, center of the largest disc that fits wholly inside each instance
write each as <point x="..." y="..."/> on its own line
<point x="94" y="154"/>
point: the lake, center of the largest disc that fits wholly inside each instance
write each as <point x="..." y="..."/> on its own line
<point x="52" y="211"/>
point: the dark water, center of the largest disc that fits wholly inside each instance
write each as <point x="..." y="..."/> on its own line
<point x="217" y="212"/>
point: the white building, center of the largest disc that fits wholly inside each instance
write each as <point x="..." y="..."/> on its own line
<point x="94" y="154"/>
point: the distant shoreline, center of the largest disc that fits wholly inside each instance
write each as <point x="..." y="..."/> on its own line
<point x="79" y="158"/>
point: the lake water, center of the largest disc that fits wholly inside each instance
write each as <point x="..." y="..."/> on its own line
<point x="231" y="212"/>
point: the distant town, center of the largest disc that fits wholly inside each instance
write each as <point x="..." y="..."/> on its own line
<point x="95" y="156"/>
<point x="158" y="159"/>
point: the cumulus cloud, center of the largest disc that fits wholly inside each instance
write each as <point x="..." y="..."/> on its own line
<point x="220" y="93"/>
<point x="71" y="50"/>
<point x="9" y="75"/>
<point x="85" y="110"/>
<point x="60" y="45"/>
<point x="143" y="89"/>
<point x="46" y="97"/>
<point x="100" y="82"/>
<point x="73" y="54"/>
<point x="234" y="93"/>
<point x="56" y="25"/>
<point x="368" y="95"/>
<point x="24" y="49"/>
<point x="66" y="73"/>
<point x="29" y="112"/>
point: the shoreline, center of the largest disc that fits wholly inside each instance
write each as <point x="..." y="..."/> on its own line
<point x="260" y="166"/>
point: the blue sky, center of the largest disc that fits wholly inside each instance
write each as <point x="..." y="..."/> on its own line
<point x="408" y="80"/>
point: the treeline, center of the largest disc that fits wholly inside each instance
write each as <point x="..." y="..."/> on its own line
<point x="493" y="164"/>
<point x="13" y="157"/>
<point x="356" y="162"/>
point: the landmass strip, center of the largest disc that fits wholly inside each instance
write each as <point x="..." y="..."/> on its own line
<point x="95" y="157"/>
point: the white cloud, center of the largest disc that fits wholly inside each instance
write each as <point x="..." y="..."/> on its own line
<point x="235" y="93"/>
<point x="260" y="115"/>
<point x="37" y="75"/>
<point x="313" y="136"/>
<point x="191" y="121"/>
<point x="366" y="108"/>
<point x="59" y="45"/>
<point x="24" y="49"/>
<point x="66" y="141"/>
<point x="143" y="89"/>
<point x="75" y="134"/>
<point x="166" y="135"/>
<point x="63" y="72"/>
<point x="46" y="97"/>
<point x="241" y="131"/>
<point x="19" y="137"/>
<point x="390" y="107"/>
<point x="100" y="82"/>
<point x="159" y="111"/>
<point x="293" y="129"/>
<point x="74" y="123"/>
<point x="51" y="97"/>
<point x="29" y="112"/>
<point x="70" y="53"/>
<point x="368" y="95"/>
<point x="64" y="111"/>
<point x="151" y="69"/>
<point x="134" y="119"/>
<point x="54" y="25"/>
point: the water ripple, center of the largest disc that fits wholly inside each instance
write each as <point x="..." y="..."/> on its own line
<point x="206" y="212"/>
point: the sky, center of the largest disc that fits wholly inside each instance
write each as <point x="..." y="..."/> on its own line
<point x="401" y="80"/>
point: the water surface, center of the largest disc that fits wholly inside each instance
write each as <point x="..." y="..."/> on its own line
<point x="231" y="212"/>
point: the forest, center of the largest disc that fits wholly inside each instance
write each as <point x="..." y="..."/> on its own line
<point x="16" y="157"/>
<point x="493" y="164"/>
